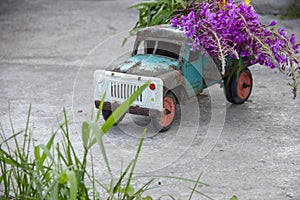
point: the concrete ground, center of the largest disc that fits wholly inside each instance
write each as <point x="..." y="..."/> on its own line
<point x="48" y="53"/>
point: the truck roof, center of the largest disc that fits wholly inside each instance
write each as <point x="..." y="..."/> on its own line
<point x="162" y="31"/>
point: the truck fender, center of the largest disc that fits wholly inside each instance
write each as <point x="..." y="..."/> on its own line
<point x="174" y="81"/>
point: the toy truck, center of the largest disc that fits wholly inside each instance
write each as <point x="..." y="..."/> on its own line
<point x="162" y="56"/>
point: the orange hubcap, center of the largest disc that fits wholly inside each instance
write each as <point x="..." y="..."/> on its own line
<point x="244" y="85"/>
<point x="168" y="112"/>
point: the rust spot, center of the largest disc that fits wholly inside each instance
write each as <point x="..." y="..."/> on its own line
<point x="136" y="65"/>
<point x="132" y="109"/>
<point x="173" y="67"/>
<point x="180" y="79"/>
<point x="117" y="69"/>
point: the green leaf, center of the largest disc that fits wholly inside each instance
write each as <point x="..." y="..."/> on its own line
<point x="100" y="107"/>
<point x="63" y="178"/>
<point x="144" y="4"/>
<point x="147" y="198"/>
<point x="49" y="145"/>
<point x="234" y="198"/>
<point x="130" y="190"/>
<point x="52" y="190"/>
<point x="124" y="41"/>
<point x="73" y="184"/>
<point x="135" y="161"/>
<point x="8" y="159"/>
<point x="119" y="112"/>
<point x="161" y="18"/>
<point x="94" y="140"/>
<point x="1" y="178"/>
<point x="37" y="153"/>
<point x="158" y="14"/>
<point x="46" y="151"/>
<point x="85" y="134"/>
<point x="98" y="135"/>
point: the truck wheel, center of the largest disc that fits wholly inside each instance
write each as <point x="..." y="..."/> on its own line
<point x="240" y="87"/>
<point x="107" y="113"/>
<point x="227" y="92"/>
<point x="166" y="120"/>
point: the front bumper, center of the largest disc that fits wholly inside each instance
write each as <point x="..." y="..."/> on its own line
<point x="136" y="110"/>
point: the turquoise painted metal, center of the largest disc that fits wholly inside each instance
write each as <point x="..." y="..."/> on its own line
<point x="163" y="51"/>
<point x="149" y="64"/>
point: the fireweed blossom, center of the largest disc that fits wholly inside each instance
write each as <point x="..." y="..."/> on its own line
<point x="234" y="31"/>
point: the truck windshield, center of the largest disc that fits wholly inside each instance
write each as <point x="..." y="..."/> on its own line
<point x="162" y="48"/>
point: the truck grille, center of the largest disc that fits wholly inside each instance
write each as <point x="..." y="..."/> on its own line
<point x="123" y="90"/>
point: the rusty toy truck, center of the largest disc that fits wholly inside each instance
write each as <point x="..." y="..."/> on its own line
<point x="162" y="56"/>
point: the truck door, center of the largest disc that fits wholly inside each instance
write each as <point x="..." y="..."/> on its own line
<point x="192" y="71"/>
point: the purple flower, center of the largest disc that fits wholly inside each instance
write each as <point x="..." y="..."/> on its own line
<point x="282" y="32"/>
<point x="174" y="21"/>
<point x="273" y="23"/>
<point x="293" y="39"/>
<point x="237" y="30"/>
<point x="191" y="15"/>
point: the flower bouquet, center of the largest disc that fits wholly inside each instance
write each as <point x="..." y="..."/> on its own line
<point x="227" y="30"/>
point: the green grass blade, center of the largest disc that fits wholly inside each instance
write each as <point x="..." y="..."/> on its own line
<point x="45" y="151"/>
<point x="5" y="140"/>
<point x="48" y="146"/>
<point x="73" y="184"/>
<point x="94" y="141"/>
<point x="118" y="113"/>
<point x="66" y="139"/>
<point x="52" y="190"/>
<point x="97" y="132"/>
<point x="117" y="187"/>
<point x="93" y="175"/>
<point x="144" y="4"/>
<point x="60" y="156"/>
<point x="100" y="107"/>
<point x="85" y="134"/>
<point x="166" y="195"/>
<point x="173" y="177"/>
<point x="134" y="163"/>
<point x="5" y="178"/>
<point x="26" y="134"/>
<point x="8" y="159"/>
<point x="197" y="182"/>
<point x="72" y="157"/>
<point x="201" y="193"/>
<point x="18" y="148"/>
<point x="144" y="188"/>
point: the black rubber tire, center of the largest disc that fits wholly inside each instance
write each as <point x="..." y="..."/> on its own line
<point x="235" y="84"/>
<point x="107" y="113"/>
<point x="227" y="93"/>
<point x="156" y="120"/>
